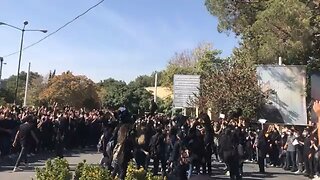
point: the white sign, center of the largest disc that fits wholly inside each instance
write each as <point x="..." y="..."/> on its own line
<point x="185" y="87"/>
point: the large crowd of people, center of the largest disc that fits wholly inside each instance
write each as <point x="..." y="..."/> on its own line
<point x="176" y="147"/>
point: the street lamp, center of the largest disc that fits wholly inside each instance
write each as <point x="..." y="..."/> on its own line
<point x="20" y="52"/>
<point x="1" y="66"/>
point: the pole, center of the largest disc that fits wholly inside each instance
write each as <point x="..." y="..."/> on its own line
<point x="155" y="87"/>
<point x="19" y="64"/>
<point x="1" y="64"/>
<point x="280" y="61"/>
<point x="26" y="89"/>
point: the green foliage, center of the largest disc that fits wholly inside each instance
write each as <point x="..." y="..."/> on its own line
<point x="56" y="169"/>
<point x="94" y="172"/>
<point x="139" y="174"/>
<point x="238" y="82"/>
<point x="114" y="92"/>
<point x="10" y="86"/>
<point x="273" y="28"/>
<point x="187" y="63"/>
<point x="118" y="93"/>
<point x="79" y="170"/>
<point x="165" y="105"/>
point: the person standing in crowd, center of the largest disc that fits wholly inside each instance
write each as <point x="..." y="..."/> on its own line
<point x="157" y="151"/>
<point x="122" y="152"/>
<point x="250" y="139"/>
<point x="24" y="135"/>
<point x="299" y="148"/>
<point x="274" y="141"/>
<point x="291" y="152"/>
<point x="108" y="128"/>
<point x="153" y="107"/>
<point x="262" y="145"/>
<point x="208" y="142"/>
<point x="180" y="169"/>
<point x="229" y="145"/>
<point x="306" y="152"/>
<point x="196" y="148"/>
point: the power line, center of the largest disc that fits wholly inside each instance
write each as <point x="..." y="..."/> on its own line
<point x="54" y="32"/>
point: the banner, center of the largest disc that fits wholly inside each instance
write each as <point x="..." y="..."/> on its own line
<point x="284" y="88"/>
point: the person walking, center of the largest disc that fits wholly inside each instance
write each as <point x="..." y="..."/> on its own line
<point x="24" y="135"/>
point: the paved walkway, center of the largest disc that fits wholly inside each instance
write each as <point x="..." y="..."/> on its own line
<point x="92" y="157"/>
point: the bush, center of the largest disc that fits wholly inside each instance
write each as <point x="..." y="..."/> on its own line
<point x="79" y="170"/>
<point x="56" y="169"/>
<point x="140" y="174"/>
<point x="86" y="171"/>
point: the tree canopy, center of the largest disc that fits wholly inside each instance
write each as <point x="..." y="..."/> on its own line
<point x="68" y="89"/>
<point x="272" y="28"/>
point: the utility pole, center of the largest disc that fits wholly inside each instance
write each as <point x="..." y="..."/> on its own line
<point x="280" y="61"/>
<point x="26" y="89"/>
<point x="155" y="87"/>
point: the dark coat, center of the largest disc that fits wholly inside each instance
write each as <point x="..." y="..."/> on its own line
<point x="262" y="145"/>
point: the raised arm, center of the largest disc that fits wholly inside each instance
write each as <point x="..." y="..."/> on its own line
<point x="316" y="108"/>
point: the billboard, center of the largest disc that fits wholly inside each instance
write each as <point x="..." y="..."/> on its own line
<point x="284" y="88"/>
<point x="185" y="87"/>
<point x="315" y="93"/>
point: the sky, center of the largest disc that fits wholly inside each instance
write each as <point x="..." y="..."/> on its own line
<point x="119" y="39"/>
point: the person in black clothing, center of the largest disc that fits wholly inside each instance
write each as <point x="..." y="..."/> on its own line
<point x="153" y="107"/>
<point x="60" y="129"/>
<point x="25" y="133"/>
<point x="176" y="150"/>
<point x="179" y="171"/>
<point x="46" y="133"/>
<point x="196" y="149"/>
<point x="122" y="152"/>
<point x="7" y="128"/>
<point x="229" y="144"/>
<point x="274" y="141"/>
<point x="262" y="146"/>
<point x="157" y="151"/>
<point x="306" y="152"/>
<point x="208" y="142"/>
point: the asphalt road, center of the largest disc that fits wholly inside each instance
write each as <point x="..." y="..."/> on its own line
<point x="6" y="166"/>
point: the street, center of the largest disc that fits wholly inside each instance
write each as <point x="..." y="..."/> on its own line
<point x="75" y="157"/>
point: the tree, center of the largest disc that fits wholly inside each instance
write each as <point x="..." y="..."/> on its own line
<point x="68" y="89"/>
<point x="139" y="99"/>
<point x="143" y="81"/>
<point x="273" y="28"/>
<point x="37" y="85"/>
<point x="11" y="86"/>
<point x="238" y="82"/>
<point x="117" y="93"/>
<point x="114" y="93"/>
<point x="184" y="63"/>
